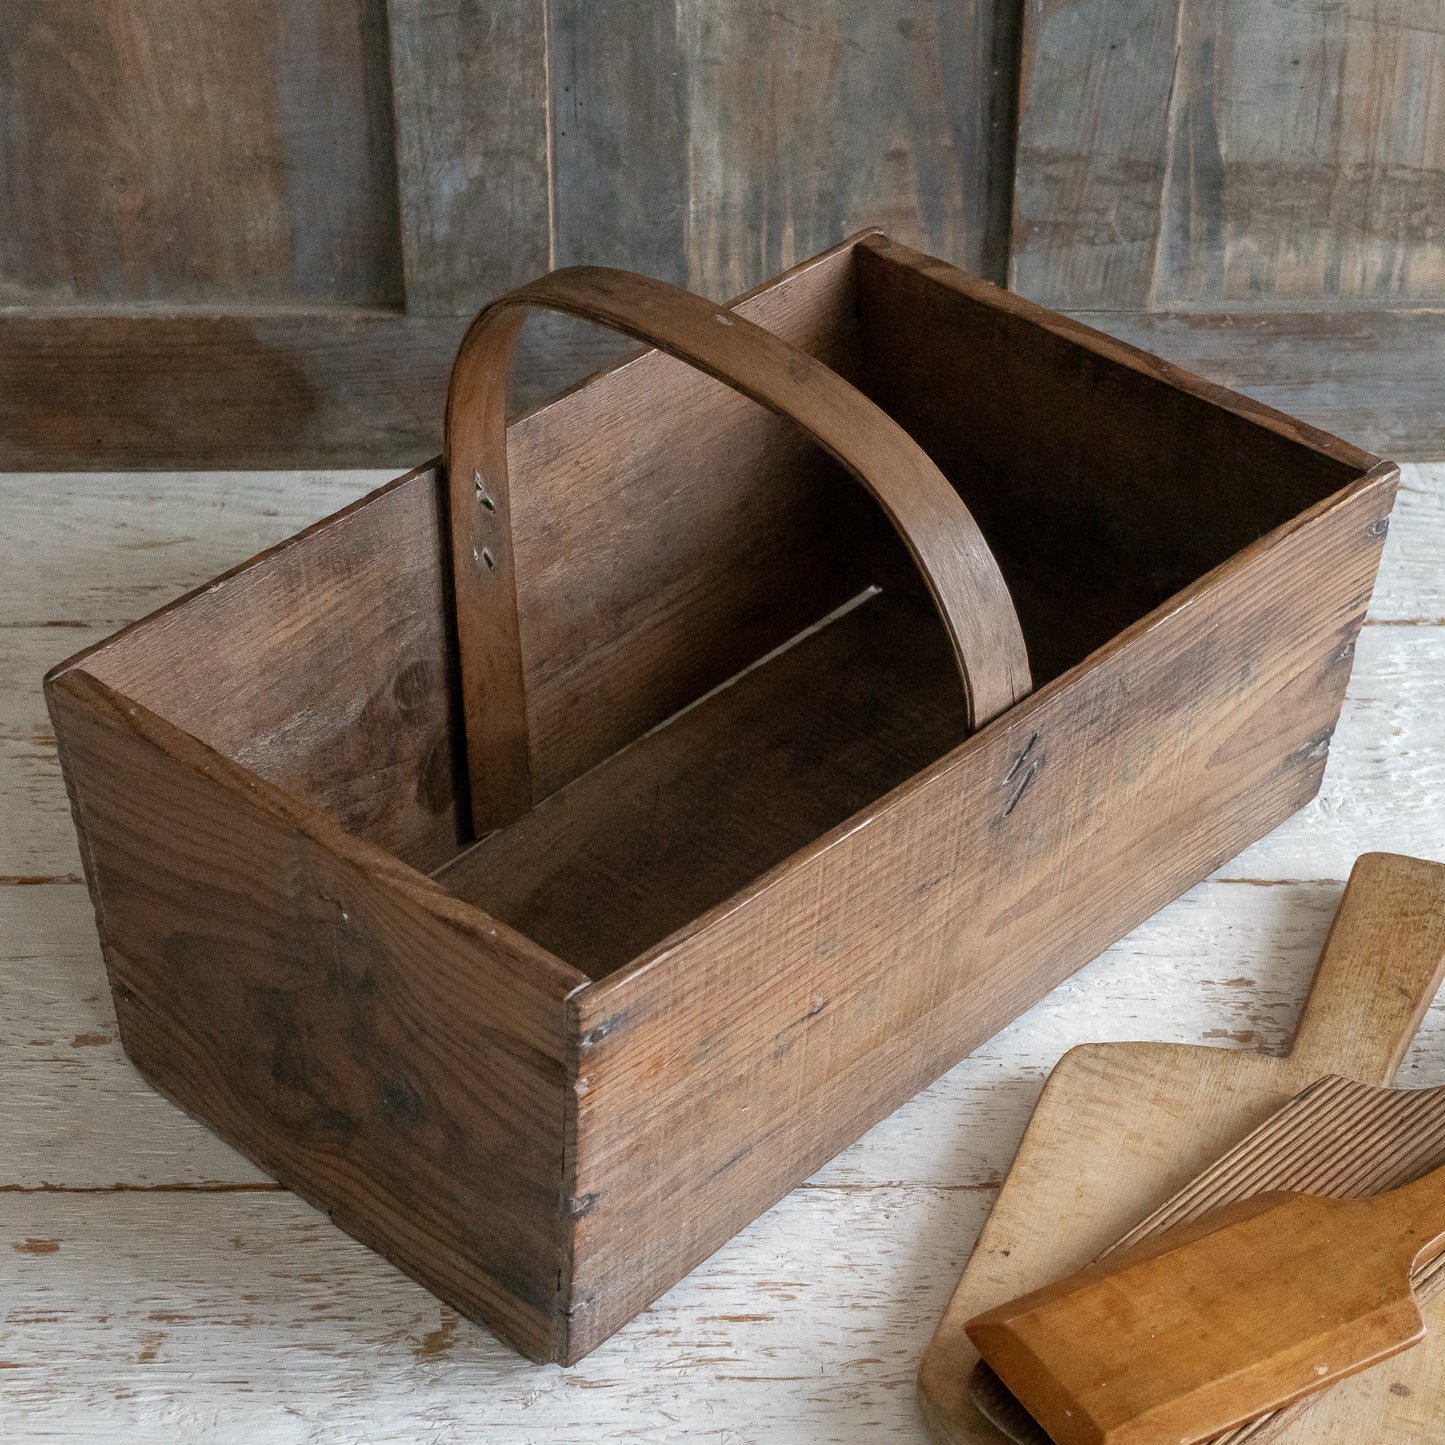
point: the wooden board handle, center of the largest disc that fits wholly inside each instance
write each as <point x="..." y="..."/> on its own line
<point x="1382" y="964"/>
<point x="918" y="499"/>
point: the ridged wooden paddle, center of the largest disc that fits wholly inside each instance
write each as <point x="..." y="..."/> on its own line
<point x="1122" y="1127"/>
<point x="1240" y="1296"/>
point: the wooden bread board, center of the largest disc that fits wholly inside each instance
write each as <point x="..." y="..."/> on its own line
<point x="1339" y="1139"/>
<point x="1120" y="1128"/>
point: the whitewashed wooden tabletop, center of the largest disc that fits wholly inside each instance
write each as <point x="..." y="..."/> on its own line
<point x="155" y="1287"/>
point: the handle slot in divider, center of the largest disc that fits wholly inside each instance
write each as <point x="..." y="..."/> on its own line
<point x="939" y="530"/>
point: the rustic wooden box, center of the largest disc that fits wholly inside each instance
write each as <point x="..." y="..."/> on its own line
<point x="727" y="928"/>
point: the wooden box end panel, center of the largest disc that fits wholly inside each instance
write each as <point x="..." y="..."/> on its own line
<point x="722" y="1069"/>
<point x="326" y="665"/>
<point x="1105" y="479"/>
<point x="669" y="531"/>
<point x="390" y="1054"/>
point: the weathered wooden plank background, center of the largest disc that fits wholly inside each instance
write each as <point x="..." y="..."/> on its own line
<point x="1194" y="176"/>
<point x="155" y="1287"/>
<point x="248" y="235"/>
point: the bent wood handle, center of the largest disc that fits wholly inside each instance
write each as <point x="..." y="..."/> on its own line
<point x="922" y="505"/>
<point x="1382" y="964"/>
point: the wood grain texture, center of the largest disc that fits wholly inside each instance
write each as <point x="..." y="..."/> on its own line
<point x="1122" y="1126"/>
<point x="422" y="157"/>
<point x="286" y="1001"/>
<point x="1226" y="156"/>
<point x="349" y="388"/>
<point x="1250" y="189"/>
<point x="238" y="1315"/>
<point x="155" y="151"/>
<point x="1190" y="734"/>
<point x="473" y="168"/>
<point x="716" y="147"/>
<point x="99" y="550"/>
<point x="366" y="390"/>
<point x="962" y="873"/>
<point x="947" y="548"/>
<point x="1382" y="964"/>
<point x="735" y="785"/>
<point x="1369" y="376"/>
<point x="1337" y="1138"/>
<point x="1114" y="453"/>
<point x="717" y="575"/>
<point x="1127" y="1352"/>
<point x="351" y="627"/>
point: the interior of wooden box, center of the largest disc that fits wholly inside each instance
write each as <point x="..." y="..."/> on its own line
<point x="1102" y="492"/>
<point x="727" y="650"/>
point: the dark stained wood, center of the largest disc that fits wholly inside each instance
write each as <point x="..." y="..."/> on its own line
<point x="633" y="1121"/>
<point x="653" y="838"/>
<point x="388" y="1053"/>
<point x="726" y="1065"/>
<point x="1155" y="471"/>
<point x="950" y="553"/>
<point x="716" y="574"/>
<point x="714" y="146"/>
<point x="285" y="389"/>
<point x="472" y="149"/>
<point x="359" y="710"/>
<point x="154" y="151"/>
<point x="1370" y="376"/>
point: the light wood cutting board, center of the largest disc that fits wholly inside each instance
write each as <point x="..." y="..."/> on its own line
<point x="1119" y="1128"/>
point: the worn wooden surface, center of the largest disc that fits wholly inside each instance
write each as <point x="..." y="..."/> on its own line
<point x="473" y="150"/>
<point x="1230" y="155"/>
<point x="286" y="1003"/>
<point x="159" y="1284"/>
<point x="415" y="159"/>
<point x="1314" y="1290"/>
<point x="1251" y="188"/>
<point x="1120" y="1124"/>
<point x="714" y="146"/>
<point x="842" y="980"/>
<point x="736" y="346"/>
<point x="1370" y="376"/>
<point x="154" y="152"/>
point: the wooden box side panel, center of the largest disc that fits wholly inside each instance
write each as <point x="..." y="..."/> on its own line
<point x="1105" y="480"/>
<point x="720" y="1073"/>
<point x="380" y="1048"/>
<point x="326" y="665"/>
<point x="668" y="532"/>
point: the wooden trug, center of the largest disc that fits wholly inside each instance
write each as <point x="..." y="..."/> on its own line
<point x="766" y="884"/>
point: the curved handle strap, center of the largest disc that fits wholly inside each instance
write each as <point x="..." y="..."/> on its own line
<point x="920" y="502"/>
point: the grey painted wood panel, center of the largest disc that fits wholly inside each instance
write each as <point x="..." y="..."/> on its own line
<point x="1231" y="155"/>
<point x="717" y="145"/>
<point x="161" y="152"/>
<point x="472" y="149"/>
